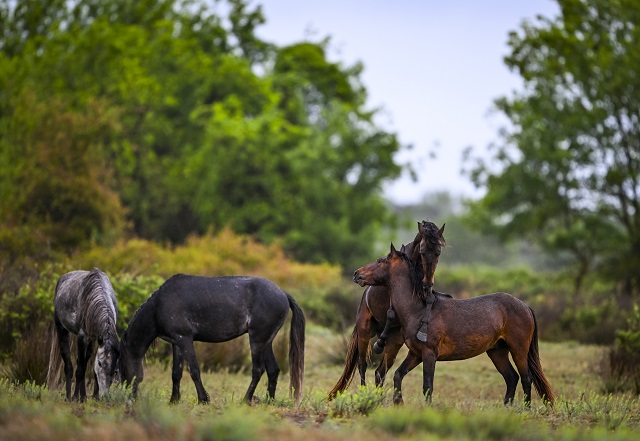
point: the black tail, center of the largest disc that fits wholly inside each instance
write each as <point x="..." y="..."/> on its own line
<point x="350" y="363"/>
<point x="535" y="367"/>
<point x="296" y="350"/>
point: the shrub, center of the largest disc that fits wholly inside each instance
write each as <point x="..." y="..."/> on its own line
<point x="30" y="359"/>
<point x="485" y="425"/>
<point x="232" y="355"/>
<point x="131" y="291"/>
<point x="31" y="304"/>
<point x="621" y="371"/>
<point x="364" y="401"/>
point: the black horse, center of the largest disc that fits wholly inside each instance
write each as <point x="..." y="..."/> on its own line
<point x="215" y="309"/>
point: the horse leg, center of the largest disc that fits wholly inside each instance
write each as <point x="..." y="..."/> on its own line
<point x="257" y="368"/>
<point x="379" y="345"/>
<point x="189" y="353"/>
<point x="273" y="370"/>
<point x="394" y="343"/>
<point x="363" y="352"/>
<point x="522" y="364"/>
<point x="65" y="353"/>
<point x="411" y="361"/>
<point x="499" y="355"/>
<point x="84" y="347"/>
<point x="176" y="373"/>
<point x="428" y="371"/>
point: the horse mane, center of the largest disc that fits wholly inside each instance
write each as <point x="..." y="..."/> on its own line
<point x="415" y="275"/>
<point x="98" y="316"/>
<point x="432" y="234"/>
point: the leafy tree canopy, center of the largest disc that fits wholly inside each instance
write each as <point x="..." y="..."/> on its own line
<point x="568" y="172"/>
<point x="165" y="118"/>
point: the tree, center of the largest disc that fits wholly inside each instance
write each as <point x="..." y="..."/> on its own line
<point x="197" y="124"/>
<point x="567" y="174"/>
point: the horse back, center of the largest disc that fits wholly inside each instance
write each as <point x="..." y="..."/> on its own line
<point x="67" y="299"/>
<point x="217" y="309"/>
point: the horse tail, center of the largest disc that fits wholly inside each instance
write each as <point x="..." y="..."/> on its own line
<point x="350" y="363"/>
<point x="535" y="367"/>
<point x="55" y="359"/>
<point x="55" y="362"/>
<point x="296" y="350"/>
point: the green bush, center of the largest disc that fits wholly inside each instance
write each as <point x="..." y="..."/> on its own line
<point x="232" y="355"/>
<point x="486" y="425"/>
<point x="621" y="371"/>
<point x="364" y="401"/>
<point x="30" y="360"/>
<point x="22" y="310"/>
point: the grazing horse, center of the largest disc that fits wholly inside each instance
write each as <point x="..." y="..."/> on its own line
<point x="372" y="316"/>
<point x="85" y="305"/>
<point x="497" y="324"/>
<point x="215" y="309"/>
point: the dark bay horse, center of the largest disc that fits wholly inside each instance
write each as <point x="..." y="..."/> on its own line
<point x="371" y="316"/>
<point x="497" y="324"/>
<point x="215" y="309"/>
<point x="85" y="305"/>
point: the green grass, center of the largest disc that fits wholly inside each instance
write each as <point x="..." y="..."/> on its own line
<point x="467" y="404"/>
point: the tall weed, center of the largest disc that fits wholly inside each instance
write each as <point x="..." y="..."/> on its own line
<point x="363" y="402"/>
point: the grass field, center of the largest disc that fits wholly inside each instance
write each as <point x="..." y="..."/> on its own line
<point x="467" y="404"/>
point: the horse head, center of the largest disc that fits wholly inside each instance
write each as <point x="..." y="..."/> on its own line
<point x="431" y="243"/>
<point x="377" y="272"/>
<point x="106" y="362"/>
<point x="130" y="367"/>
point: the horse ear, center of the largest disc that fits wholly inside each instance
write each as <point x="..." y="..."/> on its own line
<point x="392" y="249"/>
<point x="441" y="230"/>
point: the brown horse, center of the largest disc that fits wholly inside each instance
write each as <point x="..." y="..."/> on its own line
<point x="371" y="318"/>
<point x="497" y="324"/>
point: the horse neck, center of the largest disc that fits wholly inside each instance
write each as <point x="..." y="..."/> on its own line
<point x="98" y="312"/>
<point x="141" y="330"/>
<point x="402" y="298"/>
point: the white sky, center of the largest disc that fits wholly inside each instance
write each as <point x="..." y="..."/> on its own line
<point x="433" y="66"/>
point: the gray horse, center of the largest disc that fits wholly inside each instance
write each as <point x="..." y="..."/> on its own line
<point x="85" y="305"/>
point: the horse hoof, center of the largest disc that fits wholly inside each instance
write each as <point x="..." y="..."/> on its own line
<point x="378" y="347"/>
<point x="422" y="336"/>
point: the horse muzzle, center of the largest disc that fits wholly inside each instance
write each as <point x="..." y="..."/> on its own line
<point x="357" y="278"/>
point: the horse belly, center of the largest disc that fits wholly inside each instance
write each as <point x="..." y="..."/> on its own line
<point x="464" y="348"/>
<point x="212" y="323"/>
<point x="222" y="326"/>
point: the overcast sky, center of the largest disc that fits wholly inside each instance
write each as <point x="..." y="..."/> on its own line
<point x="433" y="66"/>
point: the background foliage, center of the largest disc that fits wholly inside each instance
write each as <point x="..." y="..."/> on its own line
<point x="167" y="118"/>
<point x="567" y="173"/>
